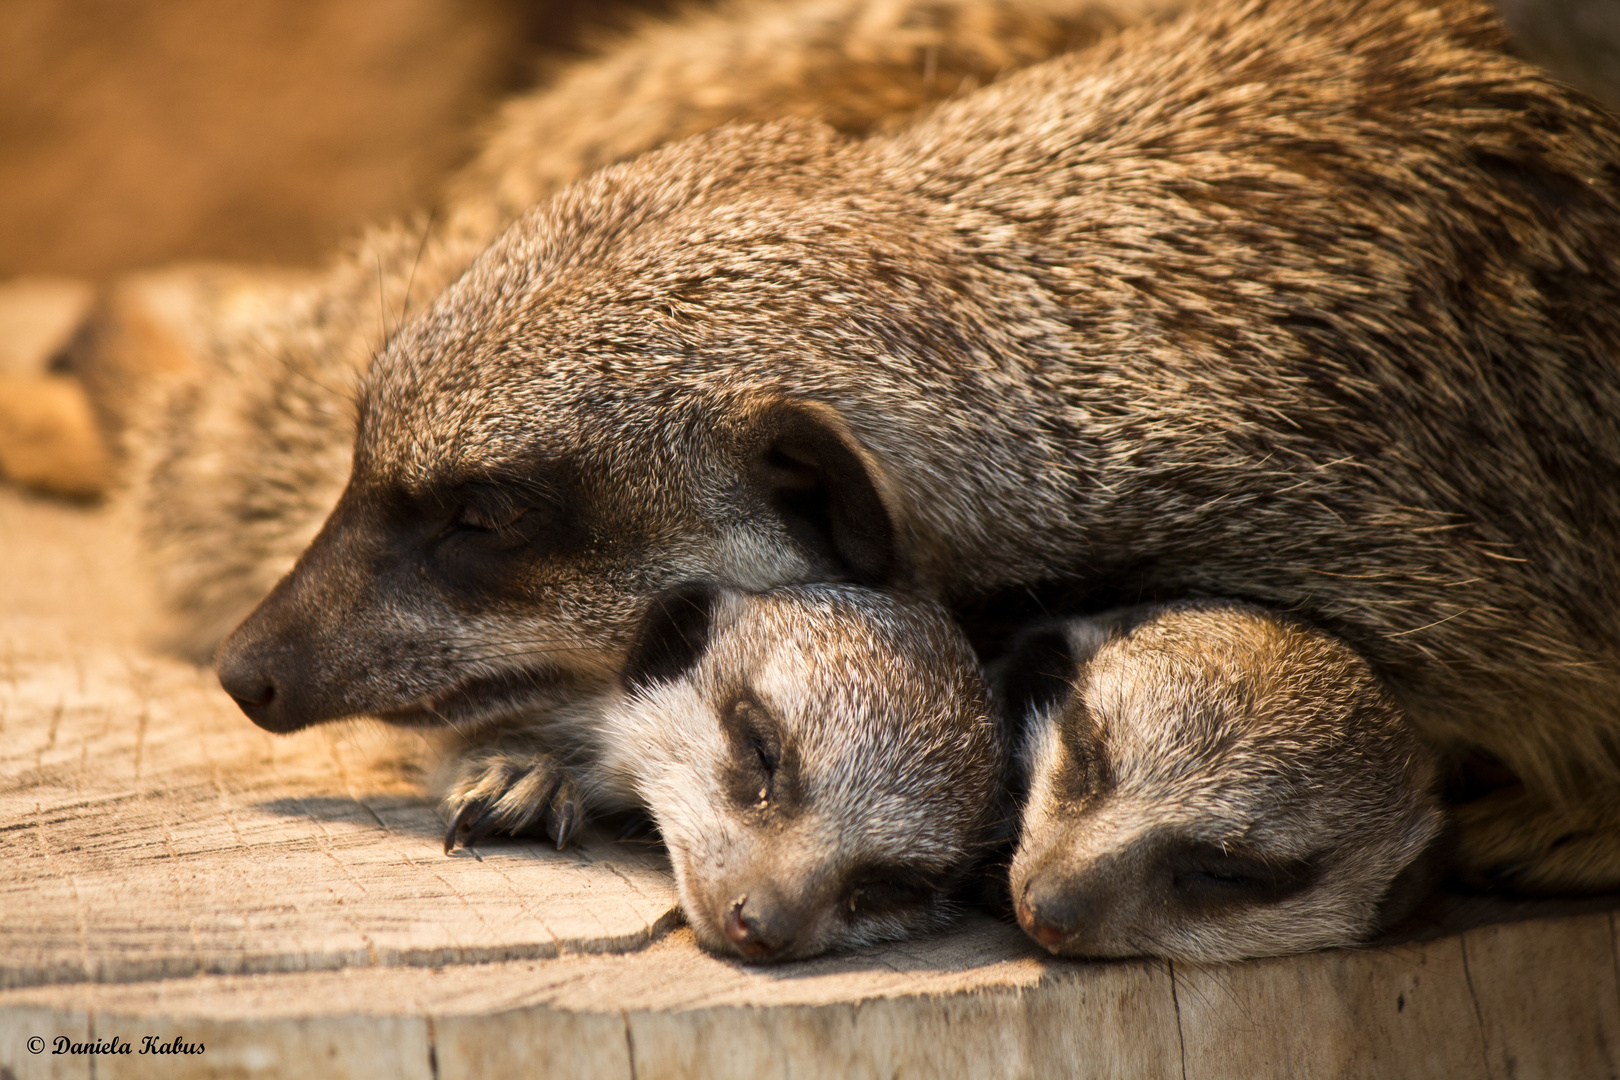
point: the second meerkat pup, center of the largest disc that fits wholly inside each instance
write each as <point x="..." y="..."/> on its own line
<point x="1211" y="782"/>
<point x="820" y="761"/>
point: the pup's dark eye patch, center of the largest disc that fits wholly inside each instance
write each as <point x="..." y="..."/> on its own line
<point x="1204" y="875"/>
<point x="1085" y="769"/>
<point x="761" y="771"/>
<point x="880" y="890"/>
<point x="767" y="755"/>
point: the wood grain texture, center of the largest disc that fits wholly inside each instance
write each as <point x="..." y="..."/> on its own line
<point x="974" y="1002"/>
<point x="1541" y="976"/>
<point x="147" y="830"/>
<point x="166" y="869"/>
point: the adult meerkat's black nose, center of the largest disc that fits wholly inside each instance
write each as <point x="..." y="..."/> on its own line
<point x="287" y="674"/>
<point x="247" y="673"/>
<point x="250" y="688"/>
<point x="304" y="655"/>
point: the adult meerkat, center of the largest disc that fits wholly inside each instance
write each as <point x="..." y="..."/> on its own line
<point x="234" y="458"/>
<point x="820" y="761"/>
<point x="1211" y="782"/>
<point x="1314" y="304"/>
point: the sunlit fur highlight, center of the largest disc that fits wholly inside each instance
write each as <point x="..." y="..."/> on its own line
<point x="1344" y="347"/>
<point x="1314" y="303"/>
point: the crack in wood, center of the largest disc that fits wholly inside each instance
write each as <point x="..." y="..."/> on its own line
<point x="1175" y="1001"/>
<point x="629" y="1043"/>
<point x="1473" y="998"/>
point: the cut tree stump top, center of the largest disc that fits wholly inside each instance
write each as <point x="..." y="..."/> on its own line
<point x="284" y="902"/>
<point x="151" y="831"/>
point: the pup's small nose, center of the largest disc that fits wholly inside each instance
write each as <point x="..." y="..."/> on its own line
<point x="1053" y="919"/>
<point x="1050" y="936"/>
<point x="750" y="932"/>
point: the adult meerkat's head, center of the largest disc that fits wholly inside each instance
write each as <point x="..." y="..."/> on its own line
<point x="820" y="761"/>
<point x="1210" y="782"/>
<point x="631" y="389"/>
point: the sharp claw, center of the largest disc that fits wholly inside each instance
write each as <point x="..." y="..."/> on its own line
<point x="461" y="826"/>
<point x="544" y="793"/>
<point x="565" y="822"/>
<point x="567" y="811"/>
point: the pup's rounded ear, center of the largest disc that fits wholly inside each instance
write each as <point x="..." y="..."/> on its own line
<point x="1037" y="674"/>
<point x="827" y="489"/>
<point x="672" y="636"/>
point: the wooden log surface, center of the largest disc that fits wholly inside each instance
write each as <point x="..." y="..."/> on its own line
<point x="152" y="832"/>
<point x="168" y="870"/>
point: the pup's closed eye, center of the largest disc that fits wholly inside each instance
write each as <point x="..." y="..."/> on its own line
<point x="1206" y="875"/>
<point x="758" y="773"/>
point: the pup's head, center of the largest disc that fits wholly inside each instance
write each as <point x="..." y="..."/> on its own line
<point x="819" y="760"/>
<point x="1209" y="784"/>
<point x="629" y="390"/>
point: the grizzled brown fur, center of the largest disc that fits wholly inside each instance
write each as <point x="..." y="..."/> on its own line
<point x="820" y="761"/>
<point x="1313" y="304"/>
<point x="235" y="462"/>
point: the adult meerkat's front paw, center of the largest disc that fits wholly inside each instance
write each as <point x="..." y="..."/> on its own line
<point x="1512" y="839"/>
<point x="512" y="791"/>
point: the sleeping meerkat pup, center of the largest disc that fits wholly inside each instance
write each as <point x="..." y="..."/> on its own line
<point x="820" y="761"/>
<point x="1211" y="782"/>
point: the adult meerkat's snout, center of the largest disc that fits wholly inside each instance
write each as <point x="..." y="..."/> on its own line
<point x="468" y="581"/>
<point x="1210" y="782"/>
<point x="820" y="761"/>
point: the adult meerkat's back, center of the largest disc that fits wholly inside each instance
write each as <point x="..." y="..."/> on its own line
<point x="1211" y="782"/>
<point x="234" y="462"/>
<point x="1310" y="303"/>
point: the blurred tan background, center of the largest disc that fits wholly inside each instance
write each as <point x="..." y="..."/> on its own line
<point x="139" y="132"/>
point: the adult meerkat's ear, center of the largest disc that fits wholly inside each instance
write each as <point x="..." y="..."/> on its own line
<point x="672" y="636"/>
<point x="828" y="490"/>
